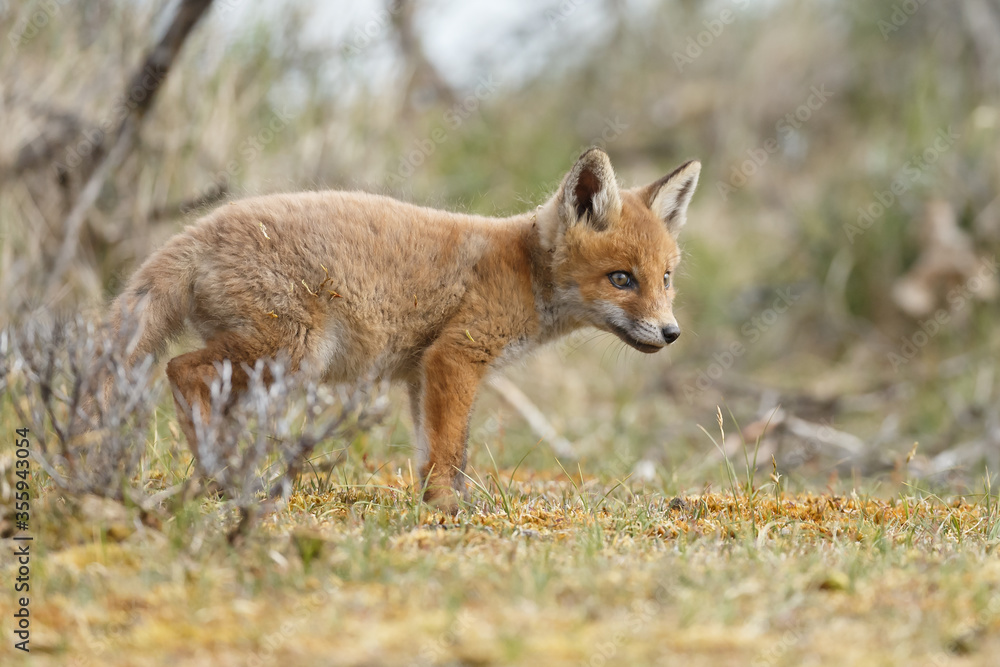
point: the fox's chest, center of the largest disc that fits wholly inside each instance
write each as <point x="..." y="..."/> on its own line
<point x="514" y="351"/>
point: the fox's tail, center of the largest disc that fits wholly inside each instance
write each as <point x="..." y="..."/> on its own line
<point x="154" y="306"/>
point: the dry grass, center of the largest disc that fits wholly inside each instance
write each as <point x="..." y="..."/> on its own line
<point x="537" y="569"/>
<point x="363" y="576"/>
<point x="825" y="359"/>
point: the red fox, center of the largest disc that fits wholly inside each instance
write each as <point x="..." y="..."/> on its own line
<point x="342" y="284"/>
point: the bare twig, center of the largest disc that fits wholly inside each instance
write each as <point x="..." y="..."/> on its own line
<point x="86" y="445"/>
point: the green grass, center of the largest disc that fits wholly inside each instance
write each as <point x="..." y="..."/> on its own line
<point x="544" y="565"/>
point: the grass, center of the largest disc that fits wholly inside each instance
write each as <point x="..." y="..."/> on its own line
<point x="542" y="567"/>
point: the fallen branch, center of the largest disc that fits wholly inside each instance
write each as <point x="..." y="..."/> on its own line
<point x="541" y="426"/>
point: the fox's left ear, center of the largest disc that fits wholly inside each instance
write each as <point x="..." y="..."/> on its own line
<point x="669" y="197"/>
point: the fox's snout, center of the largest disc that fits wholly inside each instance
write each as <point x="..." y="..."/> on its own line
<point x="652" y="337"/>
<point x="644" y="335"/>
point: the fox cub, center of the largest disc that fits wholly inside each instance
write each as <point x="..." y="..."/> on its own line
<point x="345" y="283"/>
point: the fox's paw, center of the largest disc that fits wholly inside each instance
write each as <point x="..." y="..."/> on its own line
<point x="442" y="498"/>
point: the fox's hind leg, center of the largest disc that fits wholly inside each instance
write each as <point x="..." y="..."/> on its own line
<point x="191" y="376"/>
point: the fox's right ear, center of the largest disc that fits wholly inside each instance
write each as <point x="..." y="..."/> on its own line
<point x="669" y="197"/>
<point x="590" y="193"/>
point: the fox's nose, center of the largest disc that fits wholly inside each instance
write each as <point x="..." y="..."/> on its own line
<point x="671" y="332"/>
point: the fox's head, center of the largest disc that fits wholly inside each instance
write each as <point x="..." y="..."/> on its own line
<point x="615" y="251"/>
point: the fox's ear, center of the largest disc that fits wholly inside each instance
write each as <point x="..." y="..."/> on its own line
<point x="669" y="197"/>
<point x="590" y="192"/>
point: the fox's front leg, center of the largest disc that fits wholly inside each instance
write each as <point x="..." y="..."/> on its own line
<point x="451" y="375"/>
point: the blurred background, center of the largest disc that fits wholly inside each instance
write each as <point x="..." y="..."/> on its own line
<point x="838" y="295"/>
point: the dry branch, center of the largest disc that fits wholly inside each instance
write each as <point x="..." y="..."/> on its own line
<point x="541" y="426"/>
<point x="138" y="98"/>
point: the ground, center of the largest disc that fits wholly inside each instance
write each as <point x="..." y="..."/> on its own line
<point x="537" y="570"/>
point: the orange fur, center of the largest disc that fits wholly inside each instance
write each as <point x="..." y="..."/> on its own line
<point x="342" y="284"/>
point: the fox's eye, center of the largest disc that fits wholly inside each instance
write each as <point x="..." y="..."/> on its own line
<point x="666" y="280"/>
<point x="621" y="279"/>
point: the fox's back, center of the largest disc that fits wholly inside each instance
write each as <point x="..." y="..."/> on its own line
<point x="365" y="276"/>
